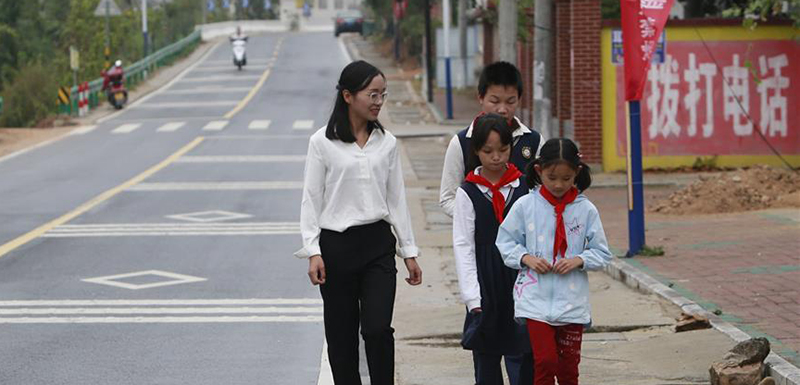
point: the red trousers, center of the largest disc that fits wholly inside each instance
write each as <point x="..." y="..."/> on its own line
<point x="556" y="352"/>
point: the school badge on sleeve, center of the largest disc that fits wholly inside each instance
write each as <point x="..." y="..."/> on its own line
<point x="526" y="152"/>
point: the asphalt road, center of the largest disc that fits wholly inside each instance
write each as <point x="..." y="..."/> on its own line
<point x="156" y="247"/>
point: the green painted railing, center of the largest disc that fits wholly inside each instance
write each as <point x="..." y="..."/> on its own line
<point x="136" y="72"/>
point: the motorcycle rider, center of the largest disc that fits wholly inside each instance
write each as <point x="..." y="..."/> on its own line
<point x="114" y="78"/>
<point x="239" y="37"/>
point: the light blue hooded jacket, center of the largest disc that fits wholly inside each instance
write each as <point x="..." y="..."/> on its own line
<point x="529" y="228"/>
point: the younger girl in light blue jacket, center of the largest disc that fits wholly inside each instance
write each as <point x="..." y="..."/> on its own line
<point x="553" y="236"/>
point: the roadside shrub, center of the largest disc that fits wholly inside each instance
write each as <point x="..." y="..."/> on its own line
<point x="30" y="97"/>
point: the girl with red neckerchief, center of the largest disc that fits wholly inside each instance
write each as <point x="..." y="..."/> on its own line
<point x="486" y="284"/>
<point x="554" y="236"/>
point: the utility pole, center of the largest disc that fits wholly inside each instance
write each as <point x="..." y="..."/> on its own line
<point x="543" y="68"/>
<point x="107" y="50"/>
<point x="144" y="27"/>
<point x="428" y="50"/>
<point x="462" y="39"/>
<point x="447" y="75"/>
<point x="507" y="20"/>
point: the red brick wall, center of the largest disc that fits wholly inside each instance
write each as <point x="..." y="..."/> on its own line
<point x="562" y="102"/>
<point x="586" y="76"/>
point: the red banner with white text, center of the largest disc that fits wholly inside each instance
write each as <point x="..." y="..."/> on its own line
<point x="642" y="24"/>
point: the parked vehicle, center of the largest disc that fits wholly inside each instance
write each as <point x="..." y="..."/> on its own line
<point x="349" y="21"/>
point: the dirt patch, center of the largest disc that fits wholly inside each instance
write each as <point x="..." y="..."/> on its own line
<point x="754" y="188"/>
<point x="15" y="139"/>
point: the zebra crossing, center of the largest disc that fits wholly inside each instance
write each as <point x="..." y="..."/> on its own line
<point x="173" y="229"/>
<point x="251" y="310"/>
<point x="213" y="126"/>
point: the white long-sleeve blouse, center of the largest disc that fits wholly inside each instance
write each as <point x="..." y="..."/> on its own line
<point x="347" y="185"/>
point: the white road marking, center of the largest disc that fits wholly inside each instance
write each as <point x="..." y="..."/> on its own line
<point x="170" y="127"/>
<point x="207" y="90"/>
<point x="303" y="124"/>
<point x="216" y="125"/>
<point x="160" y="310"/>
<point x="345" y="52"/>
<point x="230" y="68"/>
<point x="250" y="61"/>
<point x="258" y="137"/>
<point x="167" y="233"/>
<point x="242" y="159"/>
<point x="172" y="229"/>
<point x="325" y="373"/>
<point x="175" y="225"/>
<point x="174" y="279"/>
<point x="83" y="130"/>
<point x="209" y="216"/>
<point x="126" y="128"/>
<point x="138" y="320"/>
<point x="216" y="103"/>
<point x="116" y="311"/>
<point x="206" y="186"/>
<point x="225" y="78"/>
<point x="259" y="124"/>
<point x="164" y="302"/>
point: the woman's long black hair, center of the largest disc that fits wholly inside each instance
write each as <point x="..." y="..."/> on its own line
<point x="555" y="151"/>
<point x="355" y="77"/>
<point x="484" y="124"/>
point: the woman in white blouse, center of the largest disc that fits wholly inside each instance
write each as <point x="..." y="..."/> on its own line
<point x="353" y="197"/>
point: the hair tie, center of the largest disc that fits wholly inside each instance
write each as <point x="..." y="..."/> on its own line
<point x="338" y="87"/>
<point x="580" y="156"/>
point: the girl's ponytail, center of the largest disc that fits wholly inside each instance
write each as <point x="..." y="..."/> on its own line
<point x="532" y="178"/>
<point x="584" y="178"/>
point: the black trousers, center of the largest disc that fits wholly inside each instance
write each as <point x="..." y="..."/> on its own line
<point x="359" y="291"/>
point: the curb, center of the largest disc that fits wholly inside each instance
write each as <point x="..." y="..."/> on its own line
<point x="625" y="185"/>
<point x="781" y="370"/>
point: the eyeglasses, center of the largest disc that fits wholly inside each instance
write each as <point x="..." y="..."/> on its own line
<point x="378" y="98"/>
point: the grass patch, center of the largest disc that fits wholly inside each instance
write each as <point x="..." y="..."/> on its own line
<point x="651" y="251"/>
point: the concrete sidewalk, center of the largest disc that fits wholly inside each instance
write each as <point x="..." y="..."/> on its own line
<point x="631" y="341"/>
<point x="741" y="270"/>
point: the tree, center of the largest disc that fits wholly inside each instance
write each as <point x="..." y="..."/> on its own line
<point x="754" y="11"/>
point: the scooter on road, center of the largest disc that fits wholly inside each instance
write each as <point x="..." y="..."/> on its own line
<point x="239" y="52"/>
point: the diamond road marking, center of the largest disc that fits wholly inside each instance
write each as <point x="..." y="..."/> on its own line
<point x="209" y="216"/>
<point x="174" y="279"/>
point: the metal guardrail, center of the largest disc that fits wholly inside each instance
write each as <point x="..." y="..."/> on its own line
<point x="134" y="73"/>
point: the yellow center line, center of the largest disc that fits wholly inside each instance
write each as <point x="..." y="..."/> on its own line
<point x="258" y="85"/>
<point x="39" y="231"/>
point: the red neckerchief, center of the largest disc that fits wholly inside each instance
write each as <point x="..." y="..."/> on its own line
<point x="498" y="200"/>
<point x="560" y="244"/>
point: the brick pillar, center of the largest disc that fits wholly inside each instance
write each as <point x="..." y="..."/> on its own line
<point x="525" y="65"/>
<point x="562" y="103"/>
<point x="586" y="74"/>
<point x="488" y="43"/>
